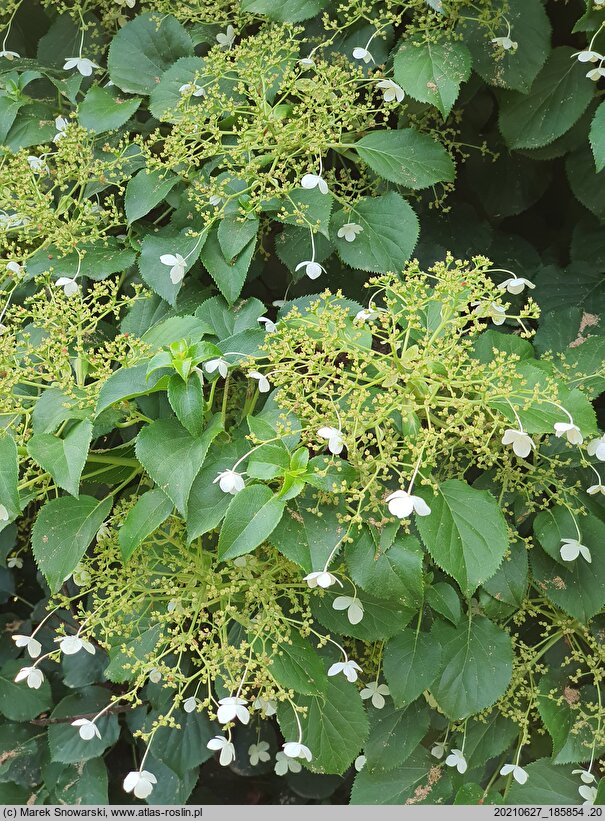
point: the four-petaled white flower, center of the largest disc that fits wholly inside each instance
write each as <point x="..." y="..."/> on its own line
<point x="402" y="504"/>
<point x="177" y="265"/>
<point x="596" y="489"/>
<point x="294" y="749"/>
<point x="495" y="312"/>
<point x="588" y="56"/>
<point x="14" y="268"/>
<point x="230" y="481"/>
<point x="595" y="74"/>
<point x="155" y="676"/>
<point x="86" y="728"/>
<point x="190" y="704"/>
<point x="572" y="548"/>
<point x="69" y="285"/>
<point x="361" y="53"/>
<point x="321" y="578"/>
<point x="359" y="763"/>
<point x="391" y="91"/>
<point x="349" y="231"/>
<point x="312" y="269"/>
<point x="73" y="644"/>
<point x="225" y="39"/>
<point x="227" y="749"/>
<point x="33" y="646"/>
<point x="585" y="775"/>
<point x="334" y="437"/>
<point x="314" y="181"/>
<point x="514" y="285"/>
<point x="270" y="326"/>
<point x="14" y="561"/>
<point x="522" y="442"/>
<point x="215" y="200"/>
<point x="570" y="431"/>
<point x="37" y="164"/>
<point x="505" y="42"/>
<point x="376" y="693"/>
<point x="438" y="749"/>
<point x="263" y="382"/>
<point x="140" y="782"/>
<point x="596" y="447"/>
<point x="258" y="753"/>
<point x="518" y="772"/>
<point x="366" y="314"/>
<point x="348" y="668"/>
<point x="82" y="64"/>
<point x="9" y="55"/>
<point x="231" y="708"/>
<point x="193" y="89"/>
<point x="589" y="794"/>
<point x="32" y="676"/>
<point x="456" y="759"/>
<point x="283" y="764"/>
<point x="220" y="365"/>
<point x="266" y="705"/>
<point x="352" y="605"/>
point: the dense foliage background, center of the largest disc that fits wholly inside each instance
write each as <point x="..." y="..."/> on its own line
<point x="301" y="375"/>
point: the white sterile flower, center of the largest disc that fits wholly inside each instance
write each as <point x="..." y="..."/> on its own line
<point x="73" y="644"/>
<point x="230" y="481"/>
<point x="32" y="676"/>
<point x="190" y="704"/>
<point x="570" y="431"/>
<point x="270" y="326"/>
<point x="456" y="759"/>
<point x="37" y="164"/>
<point x="267" y="706"/>
<point x="257" y="753"/>
<point x="140" y="782"/>
<point x="32" y="645"/>
<point x="69" y="285"/>
<point x="596" y="489"/>
<point x="14" y="268"/>
<point x="225" y="39"/>
<point x="231" y="708"/>
<point x="376" y="693"/>
<point x="82" y="64"/>
<point x="521" y="442"/>
<point x="314" y="181"/>
<point x="193" y="89"/>
<point x="241" y="561"/>
<point x="352" y="605"/>
<point x="596" y="447"/>
<point x="263" y="382"/>
<point x="9" y="55"/>
<point x="177" y="265"/>
<point x="361" y="53"/>
<point x="220" y="365"/>
<point x="81" y="576"/>
<point x="283" y="764"/>
<point x="589" y="794"/>
<point x="294" y="749"/>
<point x="506" y="43"/>
<point x="514" y="285"/>
<point x="227" y="749"/>
<point x="359" y="763"/>
<point x="348" y="668"/>
<point x="572" y="548"/>
<point x="349" y="231"/>
<point x="585" y="775"/>
<point x="595" y="74"/>
<point x="334" y="437"/>
<point x="402" y="504"/>
<point x="391" y="91"/>
<point x="278" y="303"/>
<point x="438" y="749"/>
<point x="87" y="729"/>
<point x="4" y="517"/>
<point x="366" y="314"/>
<point x="588" y="56"/>
<point x="495" y="312"/>
<point x="155" y="676"/>
<point x="312" y="269"/>
<point x="307" y="62"/>
<point x="321" y="578"/>
<point x="518" y="772"/>
<point x="14" y="561"/>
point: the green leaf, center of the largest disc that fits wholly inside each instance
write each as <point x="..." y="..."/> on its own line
<point x="62" y="531"/>
<point x="433" y="72"/>
<point x="465" y="534"/>
<point x="143" y="49"/>
<point x="64" y="741"/>
<point x="558" y="97"/>
<point x="395" y="786"/>
<point x="547" y="784"/>
<point x="140" y="648"/>
<point x="151" y="510"/>
<point x="126" y="383"/>
<point x="306" y="207"/>
<point x="84" y="783"/>
<point x="103" y="109"/>
<point x="442" y="597"/>
<point x="509" y="584"/>
<point x="9" y="477"/>
<point x="173" y="458"/>
<point x="394" y="735"/>
<point x="490" y="341"/>
<point x="234" y="233"/>
<point x="390" y="232"/>
<point x="95" y="260"/>
<point x="187" y="401"/>
<point x="296" y="665"/>
<point x="228" y="275"/>
<point x="165" y="97"/>
<point x="406" y="157"/>
<point x="597" y="137"/>
<point x="334" y="727"/>
<point x="207" y="502"/>
<point x="381" y="618"/>
<point x="585" y="184"/>
<point x="167" y="241"/>
<point x="145" y="190"/>
<point x="250" y="519"/>
<point x="17" y="701"/>
<point x="183" y="749"/>
<point x="284" y="11"/>
<point x="63" y="458"/>
<point x="478" y="666"/>
<point x="412" y="662"/>
<point x="572" y="735"/>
